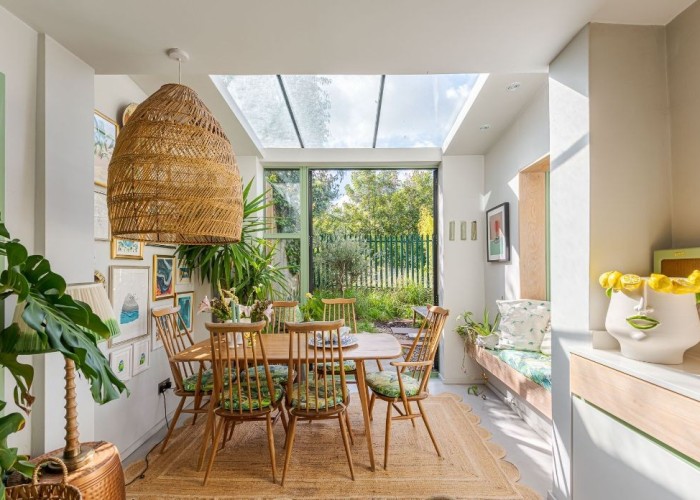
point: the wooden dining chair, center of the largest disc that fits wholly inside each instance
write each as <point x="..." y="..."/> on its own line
<point x="334" y="309"/>
<point x="192" y="380"/>
<point x="251" y="397"/>
<point x="315" y="397"/>
<point x="409" y="381"/>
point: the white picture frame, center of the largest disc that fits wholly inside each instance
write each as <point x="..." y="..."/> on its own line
<point x="142" y="356"/>
<point x="128" y="292"/>
<point x="120" y="362"/>
<point x="101" y="230"/>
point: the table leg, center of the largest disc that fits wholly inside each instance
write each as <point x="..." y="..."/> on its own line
<point x="362" y="390"/>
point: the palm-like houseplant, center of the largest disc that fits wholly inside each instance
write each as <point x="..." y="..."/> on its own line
<point x="56" y="322"/>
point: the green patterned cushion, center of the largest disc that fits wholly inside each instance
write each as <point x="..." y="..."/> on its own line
<point x="324" y="401"/>
<point x="350" y="366"/>
<point x="243" y="403"/>
<point x="279" y="373"/>
<point x="386" y="383"/>
<point x="534" y="365"/>
<point x="207" y="384"/>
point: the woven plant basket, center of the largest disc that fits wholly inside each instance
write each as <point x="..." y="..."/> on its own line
<point x="47" y="491"/>
<point x="173" y="177"/>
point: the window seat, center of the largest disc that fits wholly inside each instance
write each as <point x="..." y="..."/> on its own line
<point x="527" y="374"/>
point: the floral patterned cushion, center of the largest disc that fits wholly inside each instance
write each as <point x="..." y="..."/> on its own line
<point x="242" y="402"/>
<point x="325" y="398"/>
<point x="279" y="373"/>
<point x="207" y="384"/>
<point x="350" y="366"/>
<point x="386" y="383"/>
<point x="534" y="365"/>
<point x="523" y="324"/>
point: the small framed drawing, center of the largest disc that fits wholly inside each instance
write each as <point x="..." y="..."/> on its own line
<point x="120" y="362"/>
<point x="497" y="235"/>
<point x="183" y="275"/>
<point x="186" y="302"/>
<point x="126" y="249"/>
<point x="142" y="356"/>
<point x="101" y="224"/>
<point x="128" y="291"/>
<point x="163" y="279"/>
<point x="104" y="131"/>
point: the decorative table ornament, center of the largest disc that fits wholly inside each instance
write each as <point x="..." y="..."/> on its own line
<point x="654" y="319"/>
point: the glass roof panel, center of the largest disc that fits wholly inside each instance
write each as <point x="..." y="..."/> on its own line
<point x="334" y="111"/>
<point x="260" y="99"/>
<point x="420" y="110"/>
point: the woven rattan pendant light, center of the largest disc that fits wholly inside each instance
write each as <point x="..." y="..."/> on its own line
<point x="173" y="177"/>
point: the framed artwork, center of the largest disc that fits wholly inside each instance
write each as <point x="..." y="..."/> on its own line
<point x="183" y="275"/>
<point x="101" y="224"/>
<point x="126" y="249"/>
<point x="186" y="302"/>
<point x="163" y="277"/>
<point x="497" y="235"/>
<point x="104" y="131"/>
<point x="142" y="356"/>
<point x="120" y="362"/>
<point x="128" y="291"/>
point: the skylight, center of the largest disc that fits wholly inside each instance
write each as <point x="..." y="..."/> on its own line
<point x="348" y="111"/>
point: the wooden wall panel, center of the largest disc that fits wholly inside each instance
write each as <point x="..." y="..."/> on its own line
<point x="533" y="234"/>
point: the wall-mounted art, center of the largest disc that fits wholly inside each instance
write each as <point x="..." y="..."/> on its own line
<point x="126" y="249"/>
<point x="497" y="235"/>
<point x="186" y="302"/>
<point x="142" y="356"/>
<point x="101" y="223"/>
<point x="128" y="291"/>
<point x="105" y="131"/>
<point x="183" y="275"/>
<point x="120" y="362"/>
<point x="163" y="277"/>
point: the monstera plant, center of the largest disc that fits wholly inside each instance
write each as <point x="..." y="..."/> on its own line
<point x="55" y="322"/>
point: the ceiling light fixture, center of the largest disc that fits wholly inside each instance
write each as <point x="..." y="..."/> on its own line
<point x="173" y="177"/>
<point x="485" y="127"/>
<point x="513" y="86"/>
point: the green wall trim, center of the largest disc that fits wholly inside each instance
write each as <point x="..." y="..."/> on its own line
<point x="2" y="205"/>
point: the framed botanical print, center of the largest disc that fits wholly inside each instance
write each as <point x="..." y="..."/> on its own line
<point x="128" y="292"/>
<point x="163" y="277"/>
<point x="497" y="235"/>
<point x="186" y="302"/>
<point x="141" y="359"/>
<point x="120" y="362"/>
<point x="101" y="223"/>
<point x="126" y="249"/>
<point x="104" y="131"/>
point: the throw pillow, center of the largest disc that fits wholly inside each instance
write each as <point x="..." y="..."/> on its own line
<point x="523" y="324"/>
<point x="546" y="346"/>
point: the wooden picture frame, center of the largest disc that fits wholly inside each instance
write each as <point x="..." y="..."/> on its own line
<point x="128" y="292"/>
<point x="183" y="274"/>
<point x="497" y="234"/>
<point x="186" y="302"/>
<point x="126" y="249"/>
<point x="163" y="277"/>
<point x="104" y="135"/>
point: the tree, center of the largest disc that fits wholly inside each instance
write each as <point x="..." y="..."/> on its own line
<point x="346" y="259"/>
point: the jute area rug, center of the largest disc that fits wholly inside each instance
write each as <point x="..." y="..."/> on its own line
<point x="472" y="467"/>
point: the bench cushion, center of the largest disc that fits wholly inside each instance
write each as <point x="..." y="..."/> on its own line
<point x="533" y="365"/>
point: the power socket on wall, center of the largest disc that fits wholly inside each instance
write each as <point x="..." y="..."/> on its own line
<point x="164" y="386"/>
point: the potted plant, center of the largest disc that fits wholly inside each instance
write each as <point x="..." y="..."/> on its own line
<point x="479" y="333"/>
<point x="54" y="322"/>
<point x="312" y="308"/>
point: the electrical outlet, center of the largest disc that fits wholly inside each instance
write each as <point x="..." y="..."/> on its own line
<point x="164" y="386"/>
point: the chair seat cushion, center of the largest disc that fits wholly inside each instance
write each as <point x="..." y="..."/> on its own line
<point x="386" y="383"/>
<point x="325" y="398"/>
<point x="207" y="384"/>
<point x="243" y="402"/>
<point x="349" y="365"/>
<point x="279" y="373"/>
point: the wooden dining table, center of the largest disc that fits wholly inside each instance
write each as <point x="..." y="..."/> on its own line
<point x="370" y="346"/>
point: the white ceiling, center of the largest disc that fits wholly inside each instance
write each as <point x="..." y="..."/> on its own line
<point x="327" y="37"/>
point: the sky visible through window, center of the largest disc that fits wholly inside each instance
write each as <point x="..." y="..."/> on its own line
<point x="343" y="111"/>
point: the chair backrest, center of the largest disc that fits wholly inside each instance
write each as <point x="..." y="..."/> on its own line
<point x="425" y="345"/>
<point x="229" y="357"/>
<point x="173" y="333"/>
<point x="335" y="309"/>
<point x="282" y="312"/>
<point x="304" y="352"/>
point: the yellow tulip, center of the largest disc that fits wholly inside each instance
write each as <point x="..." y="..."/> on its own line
<point x="660" y="283"/>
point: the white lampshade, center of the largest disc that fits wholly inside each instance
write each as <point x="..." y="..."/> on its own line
<point x="95" y="295"/>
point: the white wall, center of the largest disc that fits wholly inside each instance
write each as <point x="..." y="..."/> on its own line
<point x="525" y="141"/>
<point x="460" y="263"/>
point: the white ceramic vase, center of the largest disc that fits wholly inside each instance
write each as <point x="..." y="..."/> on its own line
<point x="678" y="327"/>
